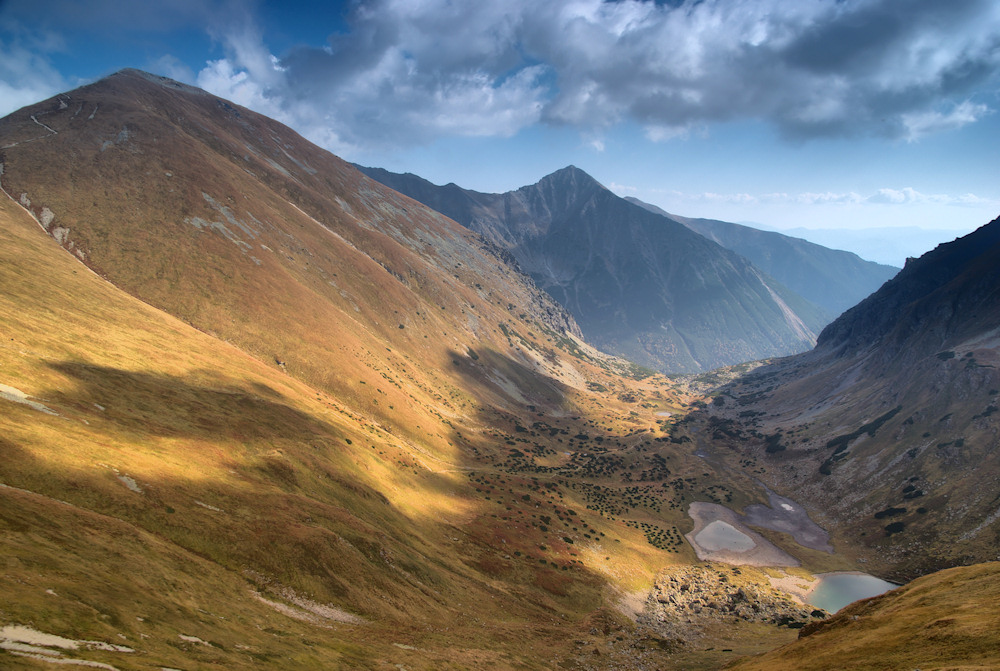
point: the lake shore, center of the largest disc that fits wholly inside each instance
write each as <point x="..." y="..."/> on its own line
<point x="763" y="552"/>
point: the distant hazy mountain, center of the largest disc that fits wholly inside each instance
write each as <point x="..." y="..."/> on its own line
<point x="639" y="284"/>
<point x="889" y="426"/>
<point x="833" y="279"/>
<point x="887" y="245"/>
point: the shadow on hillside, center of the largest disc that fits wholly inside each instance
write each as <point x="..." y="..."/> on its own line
<point x="322" y="530"/>
<point x="515" y="381"/>
<point x="165" y="405"/>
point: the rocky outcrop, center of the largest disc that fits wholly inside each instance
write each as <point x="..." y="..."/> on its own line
<point x="686" y="599"/>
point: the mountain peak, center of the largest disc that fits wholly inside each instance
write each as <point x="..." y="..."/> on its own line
<point x="571" y="173"/>
<point x="165" y="82"/>
<point x="631" y="278"/>
<point x="570" y="182"/>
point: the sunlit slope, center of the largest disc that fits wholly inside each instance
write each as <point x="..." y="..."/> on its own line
<point x="238" y="226"/>
<point x="161" y="484"/>
<point x="947" y="620"/>
<point x="478" y="496"/>
<point x="167" y="476"/>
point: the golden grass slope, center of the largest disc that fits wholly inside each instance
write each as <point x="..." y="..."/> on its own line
<point x="168" y="487"/>
<point x="205" y="508"/>
<point x="296" y="420"/>
<point x="280" y="475"/>
<point x="184" y="489"/>
<point x="946" y="620"/>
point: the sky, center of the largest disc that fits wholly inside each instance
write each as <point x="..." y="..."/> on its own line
<point x="853" y="115"/>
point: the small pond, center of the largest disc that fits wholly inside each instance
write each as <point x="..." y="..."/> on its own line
<point x="722" y="536"/>
<point x="836" y="590"/>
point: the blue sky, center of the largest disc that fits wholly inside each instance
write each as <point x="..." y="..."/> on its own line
<point x="845" y="114"/>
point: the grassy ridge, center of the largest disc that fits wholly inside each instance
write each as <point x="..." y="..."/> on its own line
<point x="947" y="620"/>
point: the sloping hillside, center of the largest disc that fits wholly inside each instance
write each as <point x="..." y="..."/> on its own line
<point x="640" y="285"/>
<point x="259" y="411"/>
<point x="830" y="278"/>
<point x="889" y="427"/>
<point x="947" y="620"/>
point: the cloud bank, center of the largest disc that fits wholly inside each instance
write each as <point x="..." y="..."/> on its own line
<point x="883" y="196"/>
<point x="405" y="72"/>
<point x="408" y="71"/>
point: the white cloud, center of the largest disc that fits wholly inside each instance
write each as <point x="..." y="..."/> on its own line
<point x="409" y="71"/>
<point x="405" y="72"/>
<point x="730" y="198"/>
<point x="909" y="195"/>
<point x="226" y="81"/>
<point x="26" y="73"/>
<point x="170" y="66"/>
<point x="623" y="189"/>
<point x="920" y="124"/>
<point x="884" y="196"/>
<point x="829" y="198"/>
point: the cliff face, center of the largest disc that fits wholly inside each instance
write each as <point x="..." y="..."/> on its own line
<point x="948" y="294"/>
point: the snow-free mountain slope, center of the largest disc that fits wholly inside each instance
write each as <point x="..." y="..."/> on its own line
<point x="889" y="427"/>
<point x="834" y="280"/>
<point x="947" y="620"/>
<point x="640" y="285"/>
<point x="259" y="412"/>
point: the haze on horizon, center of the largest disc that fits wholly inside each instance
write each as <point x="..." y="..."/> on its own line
<point x="834" y="114"/>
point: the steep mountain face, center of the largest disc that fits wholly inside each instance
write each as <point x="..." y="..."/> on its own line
<point x="889" y="427"/>
<point x="830" y="278"/>
<point x="640" y="285"/>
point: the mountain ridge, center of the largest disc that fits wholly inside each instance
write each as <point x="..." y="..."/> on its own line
<point x="833" y="279"/>
<point x="640" y="285"/>
<point x="887" y="427"/>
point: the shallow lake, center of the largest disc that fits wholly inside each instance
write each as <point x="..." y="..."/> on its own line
<point x="722" y="536"/>
<point x="836" y="590"/>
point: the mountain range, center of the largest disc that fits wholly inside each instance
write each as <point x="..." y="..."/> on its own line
<point x="832" y="279"/>
<point x="677" y="295"/>
<point x="258" y="410"/>
<point x="887" y="245"/>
